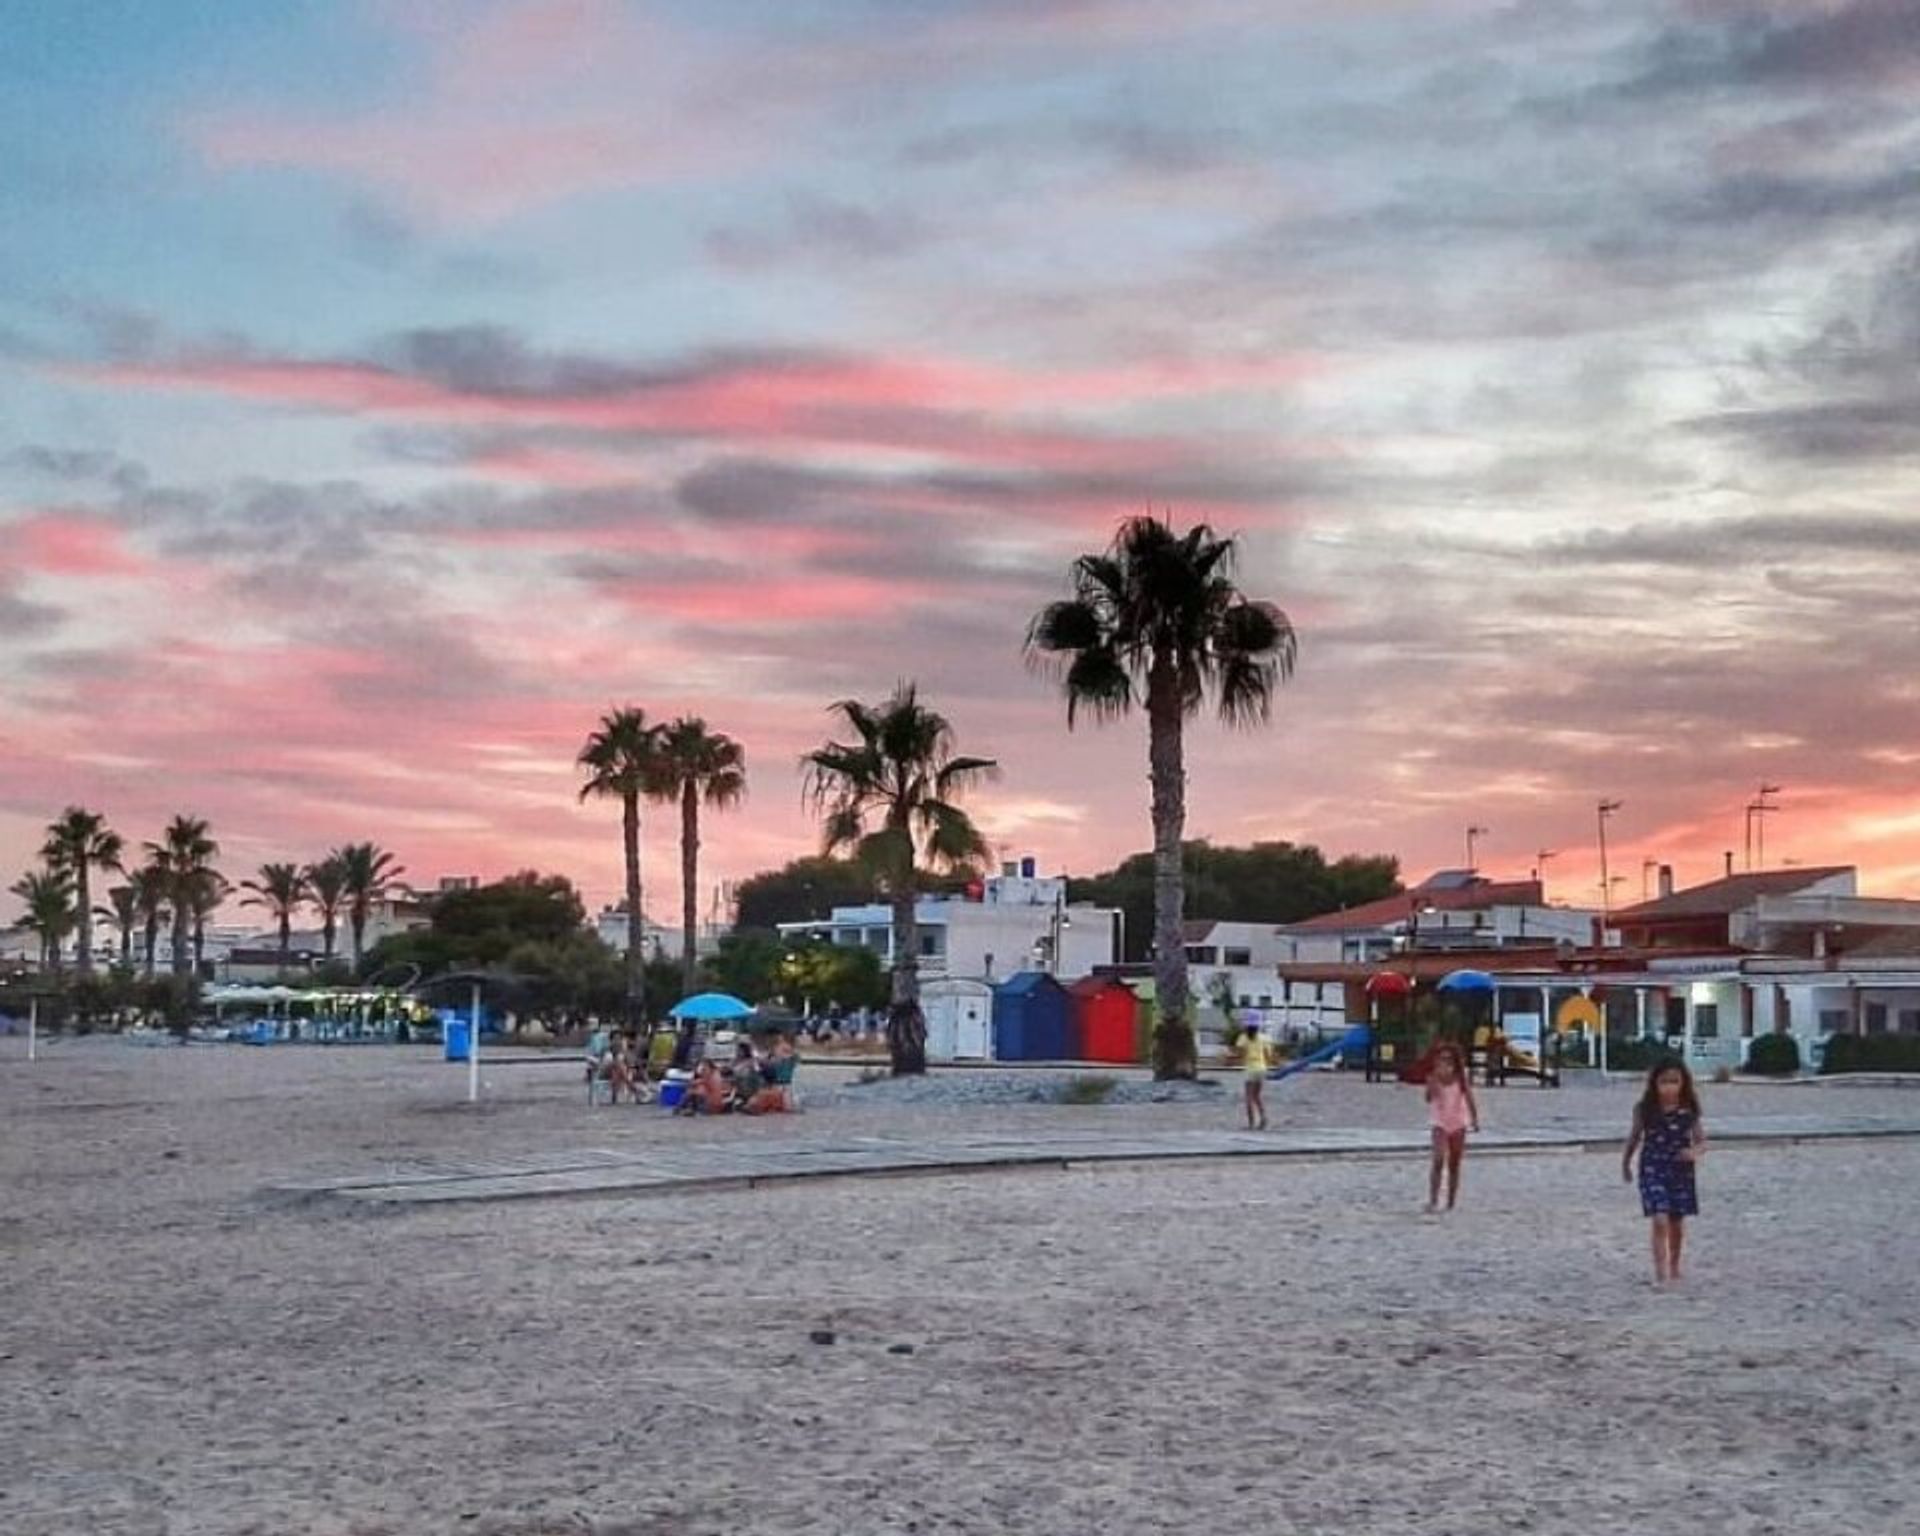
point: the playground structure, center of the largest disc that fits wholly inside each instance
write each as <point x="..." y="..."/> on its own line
<point x="1400" y="1045"/>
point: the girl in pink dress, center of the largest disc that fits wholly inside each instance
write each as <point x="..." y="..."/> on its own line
<point x="1453" y="1113"/>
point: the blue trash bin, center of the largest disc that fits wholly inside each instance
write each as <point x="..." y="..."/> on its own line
<point x="458" y="1035"/>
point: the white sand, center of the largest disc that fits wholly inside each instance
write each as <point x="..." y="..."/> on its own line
<point x="1239" y="1346"/>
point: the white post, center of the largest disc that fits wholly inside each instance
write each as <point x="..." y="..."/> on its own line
<point x="33" y="1028"/>
<point x="473" y="1049"/>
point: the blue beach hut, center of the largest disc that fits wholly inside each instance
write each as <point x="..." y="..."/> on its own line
<point x="1032" y="1019"/>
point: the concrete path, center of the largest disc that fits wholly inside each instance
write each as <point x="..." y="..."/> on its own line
<point x="708" y="1164"/>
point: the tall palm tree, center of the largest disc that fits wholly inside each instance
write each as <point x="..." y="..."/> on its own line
<point x="327" y="890"/>
<point x="370" y="874"/>
<point x="282" y="890"/>
<point x="206" y="889"/>
<point x="891" y="795"/>
<point x="150" y="885"/>
<point x="123" y="911"/>
<point x="48" y="895"/>
<point x="695" y="765"/>
<point x="1156" y="620"/>
<point x="185" y="853"/>
<point x="78" y="843"/>
<point x="620" y="759"/>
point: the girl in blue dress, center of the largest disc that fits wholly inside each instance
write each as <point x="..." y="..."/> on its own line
<point x="1671" y="1138"/>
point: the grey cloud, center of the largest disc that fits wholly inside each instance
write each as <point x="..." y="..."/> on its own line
<point x="22" y="618"/>
<point x="78" y="465"/>
<point x="1860" y="43"/>
<point x="1722" y="542"/>
<point x="817" y="228"/>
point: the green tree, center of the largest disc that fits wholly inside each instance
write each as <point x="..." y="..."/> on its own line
<point x="79" y="843"/>
<point x="282" y="890"/>
<point x="184" y="856"/>
<point x="1156" y="620"/>
<point x="620" y="761"/>
<point x="151" y="883"/>
<point x="891" y="795"/>
<point x="694" y="766"/>
<point x="47" y="895"/>
<point x="368" y="874"/>
<point x="327" y="890"/>
<point x="801" y="891"/>
<point x="123" y="911"/>
<point x="747" y="965"/>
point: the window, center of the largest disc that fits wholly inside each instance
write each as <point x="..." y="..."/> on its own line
<point x="1910" y="1021"/>
<point x="1706" y="1021"/>
<point x="1676" y="1016"/>
<point x="1202" y="954"/>
<point x="1833" y="1021"/>
<point x="932" y="942"/>
<point x="1876" y="1018"/>
<point x="1233" y="956"/>
<point x="1266" y="1001"/>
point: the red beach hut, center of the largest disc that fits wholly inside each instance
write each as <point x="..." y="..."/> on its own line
<point x="1106" y="1009"/>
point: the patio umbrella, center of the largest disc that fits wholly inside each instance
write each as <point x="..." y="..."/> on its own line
<point x="710" y="1005"/>
<point x="1466" y="981"/>
<point x="1388" y="984"/>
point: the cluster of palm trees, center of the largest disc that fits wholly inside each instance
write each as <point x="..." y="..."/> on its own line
<point x="1154" y="621"/>
<point x="679" y="763"/>
<point x="177" y="884"/>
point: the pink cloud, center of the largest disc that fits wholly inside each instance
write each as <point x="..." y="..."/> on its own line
<point x="69" y="543"/>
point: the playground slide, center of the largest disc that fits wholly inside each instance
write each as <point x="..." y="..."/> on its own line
<point x="1354" y="1040"/>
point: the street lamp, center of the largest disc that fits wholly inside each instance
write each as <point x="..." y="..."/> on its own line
<point x="1606" y="808"/>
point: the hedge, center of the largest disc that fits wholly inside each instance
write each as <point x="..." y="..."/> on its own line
<point x="1871" y="1053"/>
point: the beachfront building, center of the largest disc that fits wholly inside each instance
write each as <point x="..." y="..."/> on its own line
<point x="1010" y="923"/>
<point x="663" y="941"/>
<point x="1706" y="969"/>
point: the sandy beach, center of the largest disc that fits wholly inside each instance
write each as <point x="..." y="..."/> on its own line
<point x="1266" y="1346"/>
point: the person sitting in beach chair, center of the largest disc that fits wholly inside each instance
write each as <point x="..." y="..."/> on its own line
<point x="743" y="1074"/>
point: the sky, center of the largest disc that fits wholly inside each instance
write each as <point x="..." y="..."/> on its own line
<point x="388" y="389"/>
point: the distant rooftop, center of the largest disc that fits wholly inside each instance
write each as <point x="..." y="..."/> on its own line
<point x="1443" y="892"/>
<point x="1734" y="893"/>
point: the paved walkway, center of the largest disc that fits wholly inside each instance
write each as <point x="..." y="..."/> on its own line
<point x="672" y="1169"/>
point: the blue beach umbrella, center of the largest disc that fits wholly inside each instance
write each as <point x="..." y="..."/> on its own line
<point x="710" y="1005"/>
<point x="1466" y="981"/>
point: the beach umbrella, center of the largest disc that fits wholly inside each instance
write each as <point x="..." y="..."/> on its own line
<point x="1466" y="981"/>
<point x="710" y="1005"/>
<point x="1388" y="984"/>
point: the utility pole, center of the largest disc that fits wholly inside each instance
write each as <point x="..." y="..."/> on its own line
<point x="1473" y="833"/>
<point x="1540" y="868"/>
<point x="1606" y="808"/>
<point x="1758" y="810"/>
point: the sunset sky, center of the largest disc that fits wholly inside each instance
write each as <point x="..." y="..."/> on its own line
<point x="386" y="389"/>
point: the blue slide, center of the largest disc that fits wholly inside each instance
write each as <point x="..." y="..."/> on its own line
<point x="1353" y="1041"/>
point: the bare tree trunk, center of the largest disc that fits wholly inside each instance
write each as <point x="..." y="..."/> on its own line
<point x="1173" y="1046"/>
<point x="689" y="881"/>
<point x="636" y="923"/>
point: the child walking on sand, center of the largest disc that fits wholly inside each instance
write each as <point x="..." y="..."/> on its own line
<point x="1452" y="1111"/>
<point x="1254" y="1061"/>
<point x="1671" y="1137"/>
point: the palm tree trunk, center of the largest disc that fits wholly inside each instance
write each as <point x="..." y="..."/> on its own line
<point x="126" y="946"/>
<point x="153" y="940"/>
<point x="1173" y="1047"/>
<point x="357" y="922"/>
<point x="286" y="940"/>
<point x="906" y="1025"/>
<point x="329" y="931"/>
<point x="83" y="925"/>
<point x="199" y="943"/>
<point x="689" y="880"/>
<point x="179" y="936"/>
<point x="636" y="922"/>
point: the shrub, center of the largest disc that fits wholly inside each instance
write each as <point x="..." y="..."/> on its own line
<point x="1871" y="1053"/>
<point x="1774" y="1056"/>
<point x="1087" y="1090"/>
<point x="1637" y="1054"/>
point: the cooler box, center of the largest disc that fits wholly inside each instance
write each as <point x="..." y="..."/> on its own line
<point x="673" y="1089"/>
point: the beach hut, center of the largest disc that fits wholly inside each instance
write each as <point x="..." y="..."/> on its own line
<point x="1109" y="1017"/>
<point x="959" y="1014"/>
<point x="1146" y="1013"/>
<point x="1032" y="1020"/>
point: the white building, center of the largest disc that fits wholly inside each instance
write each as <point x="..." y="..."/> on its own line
<point x="663" y="941"/>
<point x="1243" y="956"/>
<point x="1453" y="909"/>
<point x="1019" y="923"/>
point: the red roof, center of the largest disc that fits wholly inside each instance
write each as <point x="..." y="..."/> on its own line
<point x="1392" y="911"/>
<point x="1720" y="898"/>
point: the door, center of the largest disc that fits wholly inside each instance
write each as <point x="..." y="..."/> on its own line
<point x="971" y="1031"/>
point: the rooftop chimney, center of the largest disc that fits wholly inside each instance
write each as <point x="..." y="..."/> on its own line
<point x="1729" y="859"/>
<point x="1666" y="881"/>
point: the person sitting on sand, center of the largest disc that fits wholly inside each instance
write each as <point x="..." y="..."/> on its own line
<point x="744" y="1073"/>
<point x="776" y="1092"/>
<point x="707" y="1093"/>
